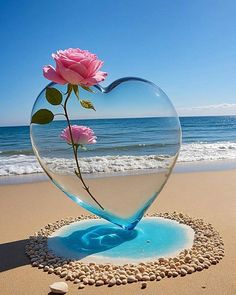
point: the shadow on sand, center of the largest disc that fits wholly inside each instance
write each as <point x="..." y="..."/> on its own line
<point x="13" y="255"/>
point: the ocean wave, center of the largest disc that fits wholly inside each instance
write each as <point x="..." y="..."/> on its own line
<point x="18" y="165"/>
<point x="9" y="153"/>
<point x="191" y="152"/>
<point x="109" y="164"/>
<point x="201" y="151"/>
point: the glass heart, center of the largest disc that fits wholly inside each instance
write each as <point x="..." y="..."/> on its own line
<point x="138" y="141"/>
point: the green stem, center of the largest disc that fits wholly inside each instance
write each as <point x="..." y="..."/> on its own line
<point x="75" y="150"/>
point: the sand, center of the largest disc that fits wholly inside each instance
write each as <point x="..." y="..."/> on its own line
<point x="25" y="208"/>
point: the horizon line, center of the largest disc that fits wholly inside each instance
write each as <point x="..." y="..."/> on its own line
<point x="115" y="118"/>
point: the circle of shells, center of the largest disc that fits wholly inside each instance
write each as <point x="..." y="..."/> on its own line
<point x="207" y="250"/>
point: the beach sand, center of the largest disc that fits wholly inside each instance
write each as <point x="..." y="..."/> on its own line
<point x="25" y="208"/>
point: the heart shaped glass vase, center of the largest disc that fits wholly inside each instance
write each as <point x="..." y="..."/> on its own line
<point x="121" y="171"/>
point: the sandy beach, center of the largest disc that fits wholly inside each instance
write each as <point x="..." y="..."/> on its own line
<point x="25" y="208"/>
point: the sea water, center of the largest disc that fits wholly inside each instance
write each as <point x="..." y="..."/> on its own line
<point x="97" y="240"/>
<point x="204" y="139"/>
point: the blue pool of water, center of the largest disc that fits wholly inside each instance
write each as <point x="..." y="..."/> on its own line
<point x="97" y="240"/>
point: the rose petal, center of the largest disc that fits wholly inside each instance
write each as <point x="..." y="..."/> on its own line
<point x="51" y="74"/>
<point x="80" y="69"/>
<point x="95" y="66"/>
<point x="98" y="77"/>
<point x="69" y="75"/>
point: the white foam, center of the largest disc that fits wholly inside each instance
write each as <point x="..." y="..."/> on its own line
<point x="192" y="152"/>
<point x="109" y="164"/>
<point x="18" y="165"/>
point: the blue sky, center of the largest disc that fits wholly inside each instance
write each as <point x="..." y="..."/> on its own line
<point x="188" y="48"/>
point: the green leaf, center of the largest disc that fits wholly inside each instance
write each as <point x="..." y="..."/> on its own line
<point x="76" y="90"/>
<point x="42" y="116"/>
<point x="69" y="88"/>
<point x="53" y="96"/>
<point x="87" y="88"/>
<point x="87" y="104"/>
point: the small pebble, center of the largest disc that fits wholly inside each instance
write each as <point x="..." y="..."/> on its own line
<point x="201" y="259"/>
<point x="175" y="274"/>
<point x="99" y="283"/>
<point x="187" y="258"/>
<point x="91" y="281"/>
<point x="183" y="272"/>
<point x="131" y="279"/>
<point x="59" y="288"/>
<point x="146" y="278"/>
<point x="112" y="282"/>
<point x="81" y="286"/>
<point x="152" y="277"/>
<point x="51" y="270"/>
<point x="138" y="277"/>
<point x="162" y="274"/>
<point x="144" y="285"/>
<point x="189" y="271"/>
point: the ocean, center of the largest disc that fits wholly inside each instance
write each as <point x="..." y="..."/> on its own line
<point x="204" y="140"/>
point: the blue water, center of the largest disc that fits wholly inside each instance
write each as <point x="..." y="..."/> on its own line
<point x="153" y="237"/>
<point x="204" y="139"/>
<point x="209" y="129"/>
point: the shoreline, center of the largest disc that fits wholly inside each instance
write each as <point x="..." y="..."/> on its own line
<point x="180" y="167"/>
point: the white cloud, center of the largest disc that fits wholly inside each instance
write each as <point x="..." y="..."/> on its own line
<point x="209" y="110"/>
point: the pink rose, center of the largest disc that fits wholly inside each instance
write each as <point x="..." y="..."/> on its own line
<point x="75" y="66"/>
<point x="80" y="134"/>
